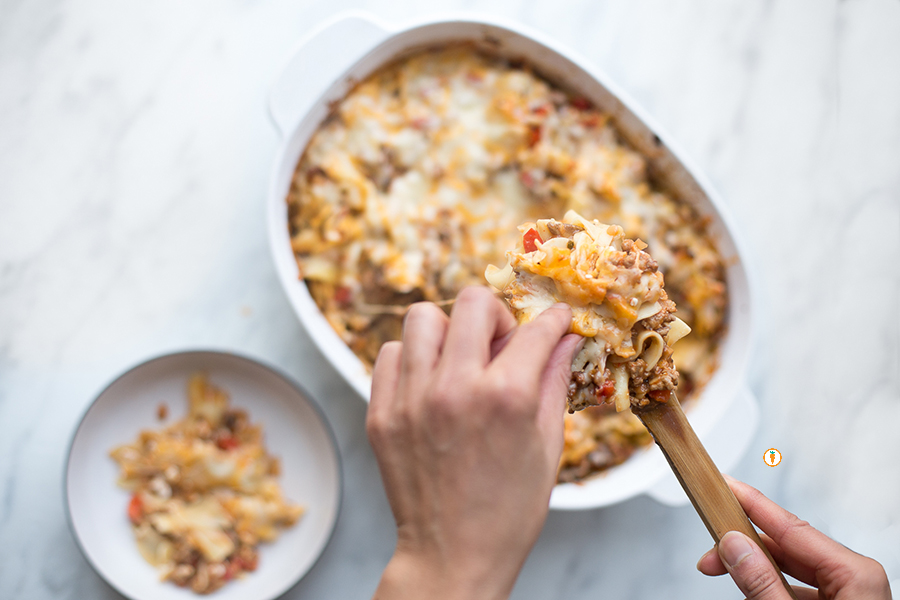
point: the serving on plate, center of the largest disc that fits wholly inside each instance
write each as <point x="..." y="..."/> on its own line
<point x="295" y="432"/>
<point x="205" y="491"/>
<point x="406" y="171"/>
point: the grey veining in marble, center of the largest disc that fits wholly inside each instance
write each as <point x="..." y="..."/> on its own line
<point x="134" y="157"/>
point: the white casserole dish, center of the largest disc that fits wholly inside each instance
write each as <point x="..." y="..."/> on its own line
<point x="351" y="46"/>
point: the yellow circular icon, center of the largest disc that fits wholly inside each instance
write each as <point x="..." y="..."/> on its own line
<point x="772" y="457"/>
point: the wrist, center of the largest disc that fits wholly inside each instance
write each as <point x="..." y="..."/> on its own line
<point x="412" y="577"/>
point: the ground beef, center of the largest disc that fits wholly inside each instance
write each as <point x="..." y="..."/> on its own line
<point x="559" y="229"/>
<point x="662" y="378"/>
<point x="660" y="321"/>
<point x="633" y="256"/>
<point x="586" y="387"/>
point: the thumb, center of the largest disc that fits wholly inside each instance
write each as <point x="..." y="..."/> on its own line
<point x="750" y="568"/>
<point x="558" y="372"/>
<point x="555" y="386"/>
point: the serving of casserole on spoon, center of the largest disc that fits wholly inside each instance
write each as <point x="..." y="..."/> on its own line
<point x="619" y="305"/>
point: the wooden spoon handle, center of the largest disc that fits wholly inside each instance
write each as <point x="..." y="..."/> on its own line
<point x="699" y="476"/>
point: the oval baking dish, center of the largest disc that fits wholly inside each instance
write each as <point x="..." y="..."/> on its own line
<point x="350" y="47"/>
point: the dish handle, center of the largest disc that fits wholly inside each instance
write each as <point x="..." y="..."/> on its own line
<point x="726" y="443"/>
<point x="329" y="50"/>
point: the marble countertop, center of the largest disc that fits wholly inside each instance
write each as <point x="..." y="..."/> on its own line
<point x="135" y="152"/>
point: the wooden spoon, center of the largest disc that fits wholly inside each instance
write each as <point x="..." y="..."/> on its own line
<point x="698" y="475"/>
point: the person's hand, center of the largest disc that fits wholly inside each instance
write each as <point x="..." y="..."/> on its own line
<point x="466" y="421"/>
<point x="802" y="552"/>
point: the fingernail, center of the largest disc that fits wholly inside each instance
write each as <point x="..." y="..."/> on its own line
<point x="580" y="345"/>
<point x="563" y="306"/>
<point x="734" y="547"/>
<point x="705" y="554"/>
<point x="728" y="477"/>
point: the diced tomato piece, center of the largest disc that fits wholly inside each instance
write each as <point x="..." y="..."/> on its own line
<point x="607" y="389"/>
<point x="542" y="110"/>
<point x="526" y="178"/>
<point x="135" y="509"/>
<point x="534" y="135"/>
<point x="231" y="569"/>
<point x="580" y="103"/>
<point x="342" y="295"/>
<point x="591" y="120"/>
<point x="528" y="240"/>
<point x="660" y="395"/>
<point x="227" y="442"/>
<point x="248" y="564"/>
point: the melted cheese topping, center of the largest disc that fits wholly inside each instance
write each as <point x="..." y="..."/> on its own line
<point x="616" y="294"/>
<point x="606" y="286"/>
<point x="421" y="174"/>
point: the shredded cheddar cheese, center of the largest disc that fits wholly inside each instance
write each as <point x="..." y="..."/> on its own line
<point x="420" y="176"/>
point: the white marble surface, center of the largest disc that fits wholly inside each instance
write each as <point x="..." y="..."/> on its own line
<point x="134" y="156"/>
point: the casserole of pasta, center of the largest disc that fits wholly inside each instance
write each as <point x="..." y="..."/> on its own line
<point x="418" y="178"/>
<point x="205" y="492"/>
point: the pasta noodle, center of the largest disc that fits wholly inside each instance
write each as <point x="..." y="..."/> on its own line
<point x="620" y="394"/>
<point x="677" y="330"/>
<point x="649" y="347"/>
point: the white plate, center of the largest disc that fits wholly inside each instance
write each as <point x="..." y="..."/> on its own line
<point x="295" y="431"/>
